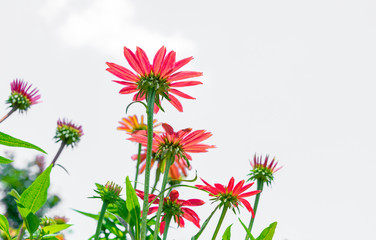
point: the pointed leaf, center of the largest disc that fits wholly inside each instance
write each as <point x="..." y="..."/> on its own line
<point x="51" y="229"/>
<point x="90" y="215"/>
<point x="15" y="194"/>
<point x="268" y="233"/>
<point x="4" y="226"/>
<point x="133" y="206"/>
<point x="31" y="222"/>
<point x="246" y="229"/>
<point x="227" y="233"/>
<point x="4" y="160"/>
<point x="195" y="237"/>
<point x="35" y="196"/>
<point x="7" y="140"/>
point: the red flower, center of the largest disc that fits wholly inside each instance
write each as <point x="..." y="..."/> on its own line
<point x="230" y="195"/>
<point x="176" y="143"/>
<point x="262" y="171"/>
<point x="174" y="207"/>
<point x="160" y="76"/>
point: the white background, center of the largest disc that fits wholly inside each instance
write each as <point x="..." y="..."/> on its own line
<point x="293" y="79"/>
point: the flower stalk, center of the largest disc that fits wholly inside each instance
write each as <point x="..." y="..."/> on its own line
<point x="8" y="114"/>
<point x="138" y="165"/>
<point x="220" y="221"/>
<point x="260" y="186"/>
<point x="167" y="219"/>
<point x="100" y="219"/>
<point x="63" y="144"/>
<point x="169" y="161"/>
<point x="150" y="111"/>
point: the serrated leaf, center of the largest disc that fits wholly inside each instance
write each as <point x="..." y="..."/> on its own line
<point x="51" y="229"/>
<point x="35" y="196"/>
<point x="268" y="233"/>
<point x="4" y="160"/>
<point x="4" y="226"/>
<point x="227" y="233"/>
<point x="10" y="141"/>
<point x="31" y="222"/>
<point x="246" y="229"/>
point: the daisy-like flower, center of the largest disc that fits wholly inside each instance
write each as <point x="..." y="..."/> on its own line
<point x="22" y="97"/>
<point x="230" y="195"/>
<point x="262" y="170"/>
<point x="177" y="170"/>
<point x="131" y="124"/>
<point x="175" y="208"/>
<point x="160" y="76"/>
<point x="177" y="144"/>
<point x="68" y="132"/>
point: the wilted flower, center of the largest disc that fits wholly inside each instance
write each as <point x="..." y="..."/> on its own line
<point x="22" y="97"/>
<point x="262" y="171"/>
<point x="132" y="125"/>
<point x="229" y="195"/>
<point x="68" y="132"/>
<point x="109" y="193"/>
<point x="175" y="208"/>
<point x="161" y="76"/>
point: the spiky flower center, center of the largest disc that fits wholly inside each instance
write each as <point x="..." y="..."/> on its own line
<point x="228" y="198"/>
<point x="170" y="148"/>
<point x="68" y="134"/>
<point x="109" y="193"/>
<point x="261" y="173"/>
<point x="172" y="208"/>
<point x="19" y="101"/>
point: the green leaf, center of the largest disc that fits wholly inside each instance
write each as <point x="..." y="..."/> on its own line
<point x="4" y="226"/>
<point x="15" y="194"/>
<point x="195" y="237"/>
<point x="55" y="228"/>
<point x="7" y="140"/>
<point x="268" y="233"/>
<point x="4" y="160"/>
<point x="227" y="233"/>
<point x="31" y="222"/>
<point x="90" y="215"/>
<point x="133" y="206"/>
<point x="246" y="229"/>
<point x="35" y="196"/>
<point x="50" y="238"/>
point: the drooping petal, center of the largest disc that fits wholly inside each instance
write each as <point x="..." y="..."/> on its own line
<point x="248" y="206"/>
<point x="191" y="216"/>
<point x="121" y="72"/>
<point x="176" y="103"/>
<point x="168" y="128"/>
<point x="127" y="90"/>
<point x="180" y="94"/>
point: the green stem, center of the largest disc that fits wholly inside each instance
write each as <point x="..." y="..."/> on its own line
<point x="150" y="112"/>
<point x="260" y="186"/>
<point x="8" y="114"/>
<point x="167" y="226"/>
<point x="169" y="161"/>
<point x="21" y="232"/>
<point x="138" y="165"/>
<point x="58" y="153"/>
<point x="100" y="219"/>
<point x="220" y="221"/>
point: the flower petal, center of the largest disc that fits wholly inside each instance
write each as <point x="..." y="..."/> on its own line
<point x="180" y="94"/>
<point x="158" y="60"/>
<point x="176" y="103"/>
<point x="183" y="75"/>
<point x="143" y="60"/>
<point x="132" y="60"/>
<point x="121" y="72"/>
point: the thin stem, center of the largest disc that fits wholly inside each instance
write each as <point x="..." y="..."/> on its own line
<point x="169" y="161"/>
<point x="167" y="225"/>
<point x="8" y="114"/>
<point x="150" y="112"/>
<point x="260" y="186"/>
<point x="138" y="165"/>
<point x="58" y="153"/>
<point x="220" y="221"/>
<point x="21" y="232"/>
<point x="100" y="219"/>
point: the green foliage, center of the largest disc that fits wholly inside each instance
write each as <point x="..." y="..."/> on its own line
<point x="4" y="160"/>
<point x="51" y="229"/>
<point x="247" y="230"/>
<point x="203" y="226"/>
<point x="31" y="222"/>
<point x="227" y="233"/>
<point x="268" y="233"/>
<point x="10" y="141"/>
<point x="133" y="206"/>
<point x="35" y="196"/>
<point x="4" y="226"/>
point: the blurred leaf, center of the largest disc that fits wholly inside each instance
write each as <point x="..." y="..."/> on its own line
<point x="50" y="238"/>
<point x="15" y="194"/>
<point x="7" y="140"/>
<point x="4" y="160"/>
<point x="246" y="229"/>
<point x="32" y="223"/>
<point x="55" y="228"/>
<point x="34" y="197"/>
<point x="268" y="233"/>
<point x="133" y="206"/>
<point x="4" y="226"/>
<point x="227" y="233"/>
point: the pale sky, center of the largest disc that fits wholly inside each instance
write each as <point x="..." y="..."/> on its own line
<point x="293" y="79"/>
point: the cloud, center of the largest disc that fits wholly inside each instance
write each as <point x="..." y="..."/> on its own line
<point x="108" y="26"/>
